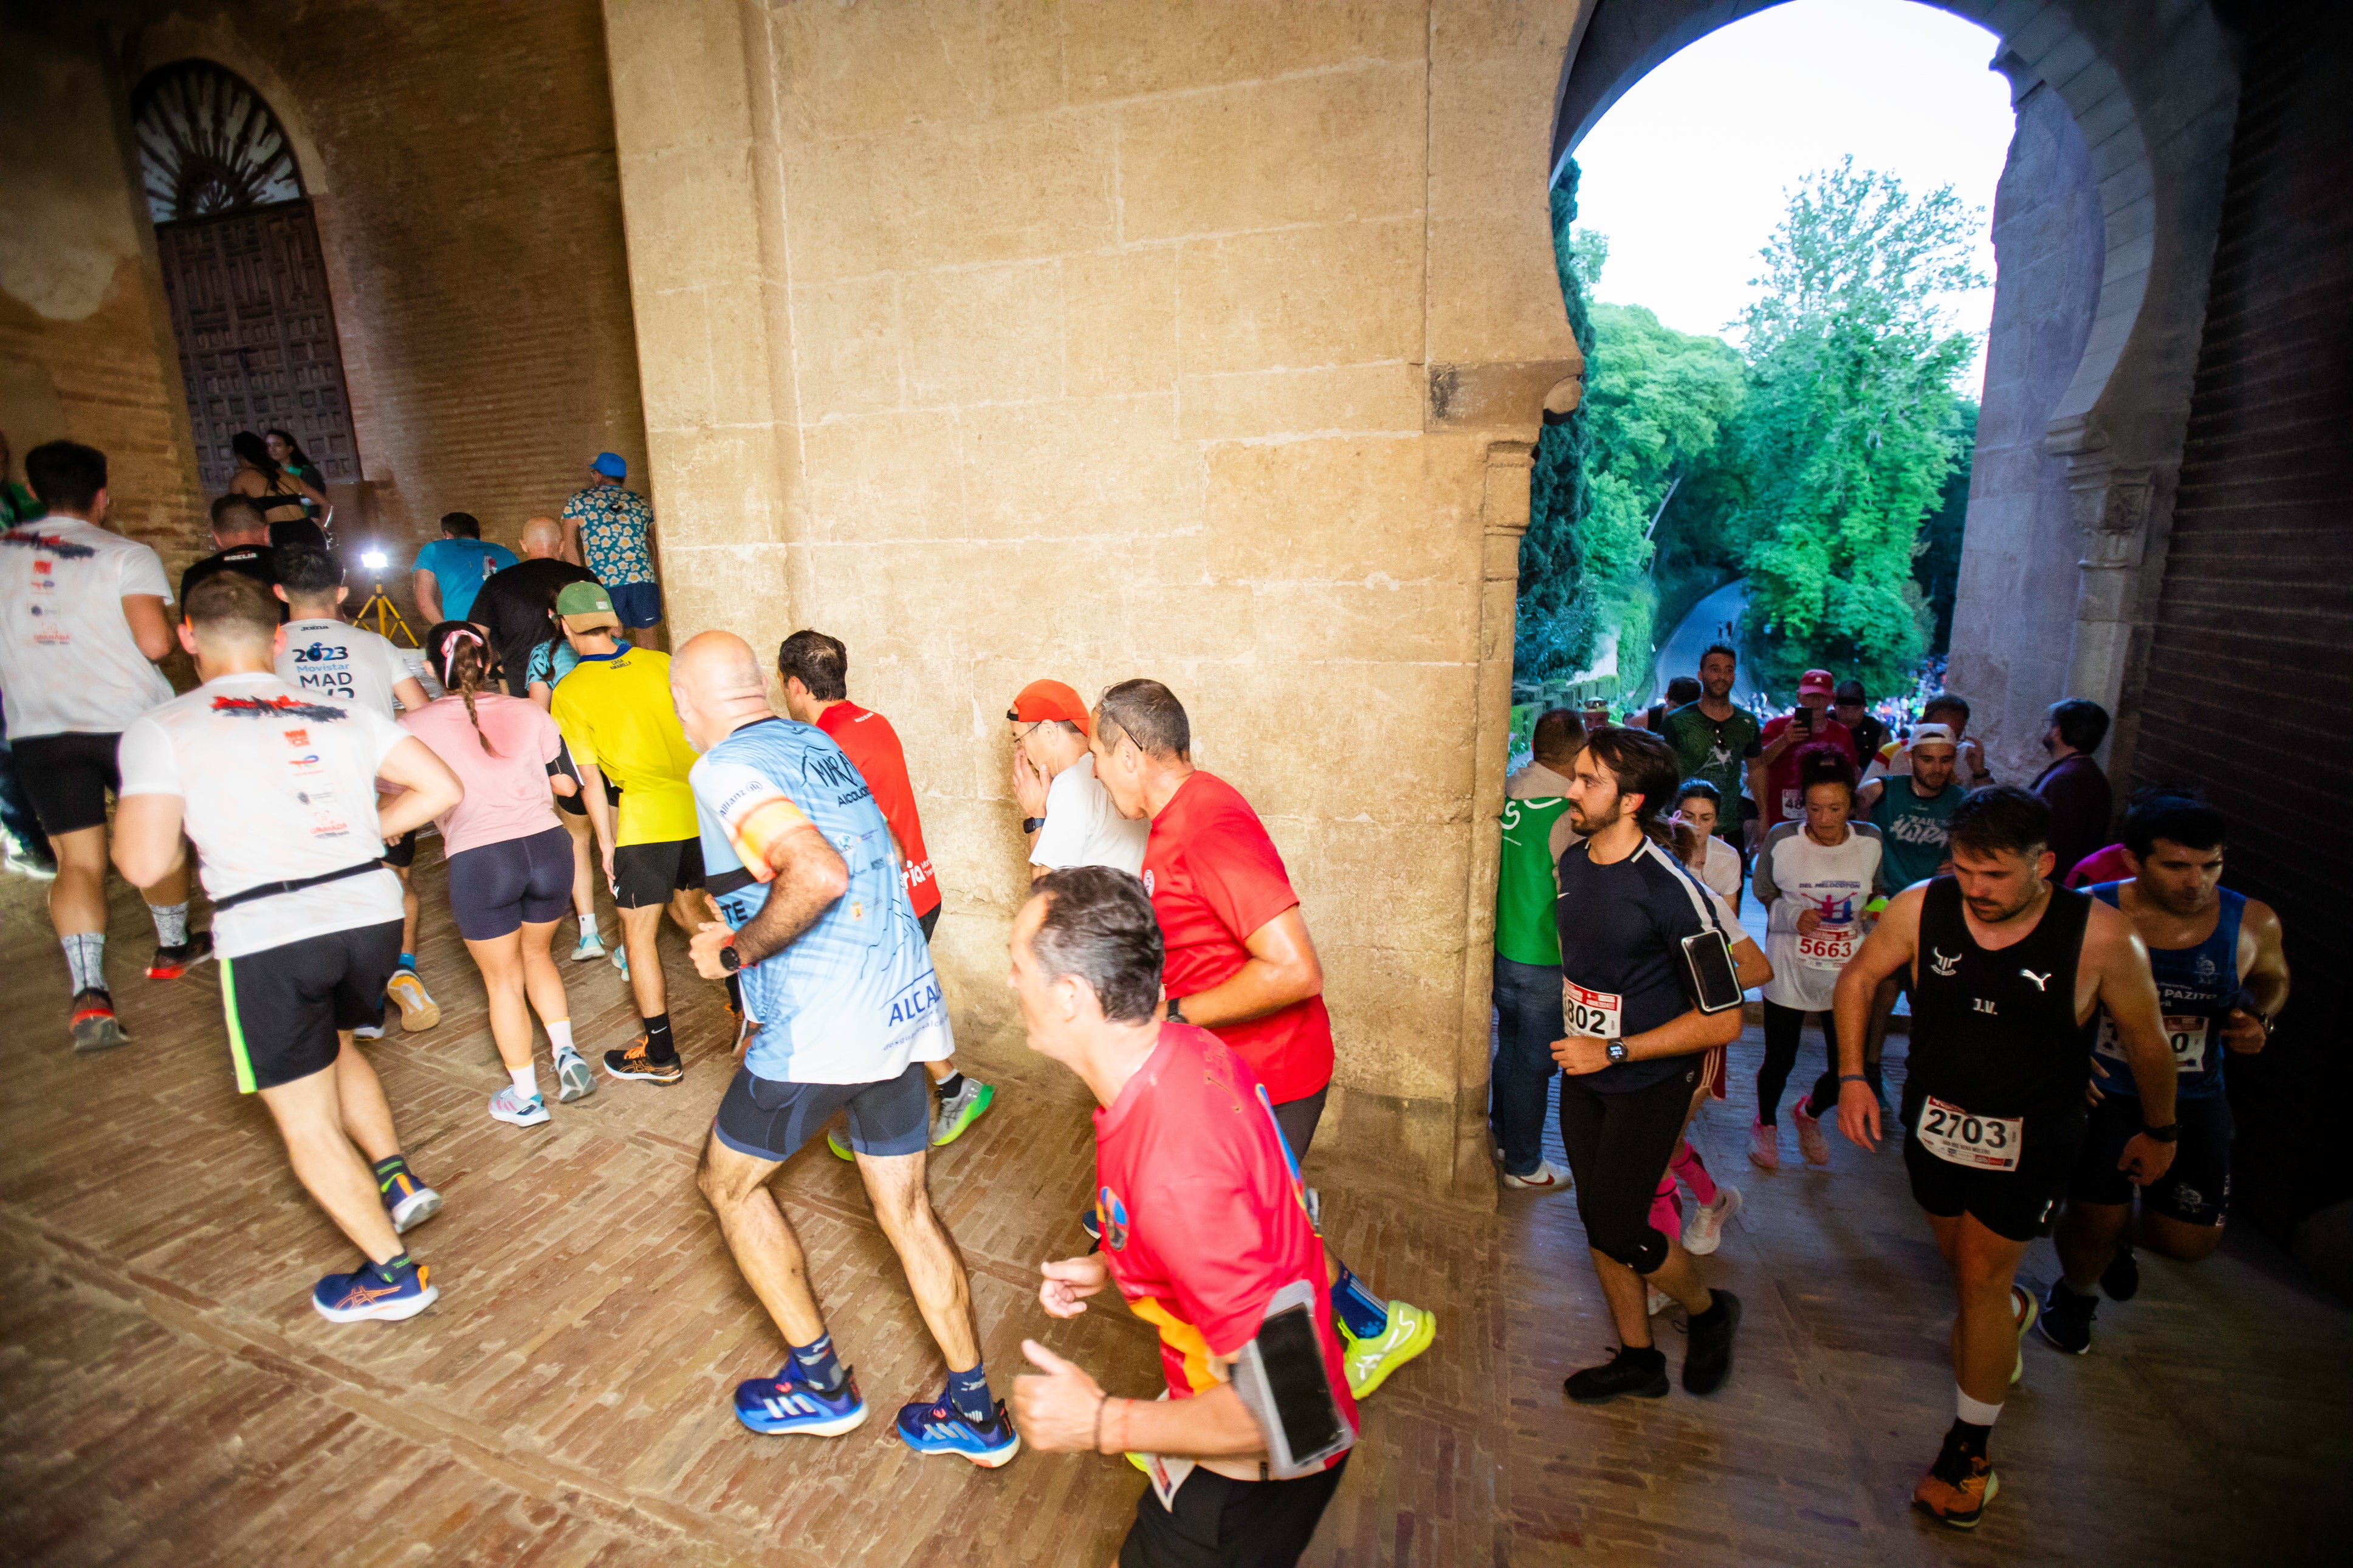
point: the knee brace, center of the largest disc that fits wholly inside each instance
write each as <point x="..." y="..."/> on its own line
<point x="1639" y="1248"/>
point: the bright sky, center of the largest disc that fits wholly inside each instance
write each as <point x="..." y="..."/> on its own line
<point x="1687" y="173"/>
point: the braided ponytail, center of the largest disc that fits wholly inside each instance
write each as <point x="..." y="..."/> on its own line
<point x="463" y="663"/>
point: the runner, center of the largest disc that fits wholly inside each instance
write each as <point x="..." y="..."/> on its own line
<point x="1951" y="709"/>
<point x="514" y="604"/>
<point x="815" y="672"/>
<point x="1632" y="1057"/>
<point x="328" y="660"/>
<point x="1240" y="964"/>
<point x="1209" y="1229"/>
<point x="1066" y="814"/>
<point x="510" y="861"/>
<point x="1773" y="772"/>
<point x="452" y="568"/>
<point x="1527" y="953"/>
<point x="614" y="712"/>
<point x="241" y="540"/>
<point x="1913" y="811"/>
<point x="2222" y="980"/>
<point x="278" y="792"/>
<point x="1709" y="857"/>
<point x="1851" y="708"/>
<point x="2007" y="969"/>
<point x="550" y="659"/>
<point x="841" y="1005"/>
<point x="1719" y="742"/>
<point x="82" y="622"/>
<point x="1813" y="878"/>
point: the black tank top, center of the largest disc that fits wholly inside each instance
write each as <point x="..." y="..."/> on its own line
<point x="1994" y="1031"/>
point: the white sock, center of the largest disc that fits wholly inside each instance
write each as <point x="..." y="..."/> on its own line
<point x="1972" y="1411"/>
<point x="171" y="923"/>
<point x="559" y="1034"/>
<point x="588" y="923"/>
<point x="526" y="1080"/>
<point x="86" y="960"/>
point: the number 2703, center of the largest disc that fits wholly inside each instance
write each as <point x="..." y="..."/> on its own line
<point x="1968" y="1128"/>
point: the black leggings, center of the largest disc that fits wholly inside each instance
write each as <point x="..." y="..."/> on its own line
<point x="1618" y="1146"/>
<point x="1783" y="1028"/>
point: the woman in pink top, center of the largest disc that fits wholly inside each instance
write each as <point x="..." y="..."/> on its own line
<point x="509" y="858"/>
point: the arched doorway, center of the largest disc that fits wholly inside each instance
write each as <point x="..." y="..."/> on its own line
<point x="242" y="271"/>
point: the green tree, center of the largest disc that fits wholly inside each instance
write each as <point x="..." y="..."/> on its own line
<point x="1936" y="558"/>
<point x="1848" y="436"/>
<point x="1554" y="630"/>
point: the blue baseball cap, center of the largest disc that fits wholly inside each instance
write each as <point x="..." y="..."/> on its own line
<point x="610" y="464"/>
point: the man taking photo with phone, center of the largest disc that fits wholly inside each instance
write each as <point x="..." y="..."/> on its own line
<point x="1773" y="772"/>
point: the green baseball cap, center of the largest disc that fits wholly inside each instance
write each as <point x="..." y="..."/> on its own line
<point x="585" y="606"/>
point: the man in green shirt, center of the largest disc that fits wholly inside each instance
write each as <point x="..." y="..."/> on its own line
<point x="1528" y="952"/>
<point x="1715" y="740"/>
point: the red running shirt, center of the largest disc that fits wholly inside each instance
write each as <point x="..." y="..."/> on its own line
<point x="1214" y="877"/>
<point x="1783" y="802"/>
<point x="1203" y="1212"/>
<point x="872" y="746"/>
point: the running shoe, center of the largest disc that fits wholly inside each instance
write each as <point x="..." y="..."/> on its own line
<point x="1764" y="1146"/>
<point x="369" y="1031"/>
<point x="590" y="945"/>
<point x="621" y="959"/>
<point x="2023" y="1308"/>
<point x="419" y="1011"/>
<point x="2067" y="1318"/>
<point x="841" y="1149"/>
<point x="2120" y="1280"/>
<point x="789" y="1404"/>
<point x="1707" y="1363"/>
<point x="574" y="1081"/>
<point x="171" y="962"/>
<point x="367" y="1293"/>
<point x="509" y="1105"/>
<point x="25" y="863"/>
<point x="1810" y="1141"/>
<point x="961" y="1110"/>
<point x="1369" y="1361"/>
<point x="408" y="1202"/>
<point x="1656" y="1301"/>
<point x="940" y="1428"/>
<point x="95" y="1028"/>
<point x="636" y="1063"/>
<point x="1627" y="1375"/>
<point x="1957" y="1498"/>
<point x="1092" y="1225"/>
<point x="1545" y="1178"/>
<point x="1704" y="1227"/>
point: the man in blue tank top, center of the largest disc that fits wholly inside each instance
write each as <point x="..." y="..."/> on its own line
<point x="2221" y="979"/>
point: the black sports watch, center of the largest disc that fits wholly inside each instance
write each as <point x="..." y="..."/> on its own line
<point x="1173" y="1015"/>
<point x="729" y="959"/>
<point x="2169" y="1133"/>
<point x="1616" y="1050"/>
<point x="1032" y="824"/>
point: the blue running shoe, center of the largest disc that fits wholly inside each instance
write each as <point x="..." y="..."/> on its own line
<point x="408" y="1202"/>
<point x="370" y="1293"/>
<point x="789" y="1402"/>
<point x="941" y="1428"/>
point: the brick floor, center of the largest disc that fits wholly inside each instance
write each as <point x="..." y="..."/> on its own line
<point x="166" y="1394"/>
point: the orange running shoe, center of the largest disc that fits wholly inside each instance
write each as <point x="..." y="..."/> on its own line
<point x="1959" y="1504"/>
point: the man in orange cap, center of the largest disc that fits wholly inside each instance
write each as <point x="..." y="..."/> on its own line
<point x="1065" y="811"/>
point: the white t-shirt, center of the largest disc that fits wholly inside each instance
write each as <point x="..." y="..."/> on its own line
<point x="1083" y="830"/>
<point x="342" y="663"/>
<point x="1832" y="880"/>
<point x="1720" y="871"/>
<point x="275" y="786"/>
<point x="68" y="660"/>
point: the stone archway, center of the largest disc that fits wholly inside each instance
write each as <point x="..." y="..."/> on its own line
<point x="2089" y="461"/>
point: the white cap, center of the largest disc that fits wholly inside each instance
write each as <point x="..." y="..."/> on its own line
<point x="1936" y="734"/>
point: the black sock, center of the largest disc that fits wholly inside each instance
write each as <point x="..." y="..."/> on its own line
<point x="1965" y="1441"/>
<point x="389" y="1166"/>
<point x="1650" y="1356"/>
<point x="659" y="1045"/>
<point x="736" y="992"/>
<point x="1713" y="1316"/>
<point x="392" y="1267"/>
<point x="950" y="1087"/>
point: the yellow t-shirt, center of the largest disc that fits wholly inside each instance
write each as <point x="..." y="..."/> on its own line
<point x="615" y="715"/>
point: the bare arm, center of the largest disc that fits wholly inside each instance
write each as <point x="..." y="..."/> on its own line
<point x="147" y="837"/>
<point x="1680" y="1036"/>
<point x="2116" y="963"/>
<point x="150" y="629"/>
<point x="810" y="877"/>
<point x="1890" y="947"/>
<point x="1281" y="969"/>
<point x="1062" y="1409"/>
<point x="409" y="692"/>
<point x="572" y="541"/>
<point x="600" y="810"/>
<point x="2265" y="978"/>
<point x="428" y="787"/>
<point x="429" y="596"/>
<point x="1749" y="963"/>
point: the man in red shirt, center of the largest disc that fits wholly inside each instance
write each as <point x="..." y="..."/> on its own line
<point x="815" y="670"/>
<point x="1205" y="1221"/>
<point x="1773" y="772"/>
<point x="1240" y="961"/>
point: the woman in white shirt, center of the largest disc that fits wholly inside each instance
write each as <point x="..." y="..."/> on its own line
<point x="1716" y="863"/>
<point x="1814" y="876"/>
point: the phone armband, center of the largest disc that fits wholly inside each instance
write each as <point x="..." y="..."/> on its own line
<point x="1281" y="1379"/>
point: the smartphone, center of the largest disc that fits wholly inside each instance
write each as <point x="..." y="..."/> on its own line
<point x="1709" y="974"/>
<point x="1282" y="1379"/>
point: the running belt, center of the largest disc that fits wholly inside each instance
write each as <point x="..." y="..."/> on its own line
<point x="271" y="890"/>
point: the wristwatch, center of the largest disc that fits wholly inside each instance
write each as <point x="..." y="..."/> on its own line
<point x="1173" y="1015"/>
<point x="729" y="959"/>
<point x="1616" y="1050"/>
<point x="1032" y="824"/>
<point x="2167" y="1133"/>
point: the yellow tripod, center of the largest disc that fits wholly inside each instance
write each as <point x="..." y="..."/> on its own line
<point x="380" y="616"/>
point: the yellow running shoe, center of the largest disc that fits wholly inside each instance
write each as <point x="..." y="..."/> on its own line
<point x="841" y="1149"/>
<point x="419" y="1011"/>
<point x="1409" y="1331"/>
<point x="2025" y="1309"/>
<point x="1959" y="1504"/>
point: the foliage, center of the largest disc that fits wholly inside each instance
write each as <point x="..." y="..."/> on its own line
<point x="1848" y="436"/>
<point x="1555" y="630"/>
<point x="1936" y="558"/>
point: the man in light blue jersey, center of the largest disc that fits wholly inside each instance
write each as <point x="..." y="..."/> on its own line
<point x="841" y="1009"/>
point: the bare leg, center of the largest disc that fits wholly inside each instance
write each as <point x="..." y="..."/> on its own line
<point x="78" y="898"/>
<point x="542" y="981"/>
<point x="760" y="1238"/>
<point x="2183" y="1243"/>
<point x="639" y="930"/>
<point x="894" y="1186"/>
<point x="501" y="961"/>
<point x="687" y="909"/>
<point x="2086" y="1237"/>
<point x="312" y="1122"/>
<point x="583" y="870"/>
<point x="1985" y="1328"/>
<point x="407" y="911"/>
<point x="367" y="1118"/>
<point x="1629" y="1292"/>
<point x="941" y="1071"/>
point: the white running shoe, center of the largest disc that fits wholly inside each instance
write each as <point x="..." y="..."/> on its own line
<point x="621" y="960"/>
<point x="589" y="946"/>
<point x="1704" y="1229"/>
<point x="573" y="1078"/>
<point x="509" y="1105"/>
<point x="1545" y="1178"/>
<point x="1658" y="1301"/>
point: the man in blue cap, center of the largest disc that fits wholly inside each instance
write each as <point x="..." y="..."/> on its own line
<point x="605" y="528"/>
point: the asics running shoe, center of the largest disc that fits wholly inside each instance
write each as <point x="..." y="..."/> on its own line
<point x="511" y="1106"/>
<point x="589" y="946"/>
<point x="171" y="962"/>
<point x="419" y="1011"/>
<point x="1704" y="1227"/>
<point x="961" y="1110"/>
<point x="1370" y="1361"/>
<point x="637" y="1062"/>
<point x="408" y="1202"/>
<point x="370" y="1292"/>
<point x="941" y="1428"/>
<point x="789" y="1404"/>
<point x="95" y="1028"/>
<point x="1545" y="1178"/>
<point x="1956" y="1495"/>
<point x="574" y="1081"/>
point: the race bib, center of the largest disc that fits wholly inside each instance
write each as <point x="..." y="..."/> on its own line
<point x="1793" y="804"/>
<point x="1167" y="1474"/>
<point x="1979" y="1142"/>
<point x="1829" y="948"/>
<point x="2187" y="1034"/>
<point x="1593" y="1014"/>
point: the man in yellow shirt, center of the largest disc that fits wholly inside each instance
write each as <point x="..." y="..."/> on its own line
<point x="616" y="713"/>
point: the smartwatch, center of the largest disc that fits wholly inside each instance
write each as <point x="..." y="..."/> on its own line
<point x="1173" y="1015"/>
<point x="729" y="959"/>
<point x="2169" y="1133"/>
<point x="1616" y="1050"/>
<point x="1032" y="824"/>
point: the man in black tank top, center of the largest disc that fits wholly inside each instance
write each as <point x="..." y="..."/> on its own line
<point x="2008" y="971"/>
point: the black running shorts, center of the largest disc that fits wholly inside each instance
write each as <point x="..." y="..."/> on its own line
<point x="67" y="778"/>
<point x="496" y="888"/>
<point x="768" y="1119"/>
<point x="2194" y="1190"/>
<point x="1215" y="1522"/>
<point x="2014" y="1205"/>
<point x="400" y="857"/>
<point x="647" y="874"/>
<point x="285" y="1003"/>
<point x="1299" y="1118"/>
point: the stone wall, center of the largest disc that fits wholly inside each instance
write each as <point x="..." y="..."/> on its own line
<point x="1197" y="341"/>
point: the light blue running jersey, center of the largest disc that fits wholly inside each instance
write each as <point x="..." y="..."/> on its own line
<point x="854" y="999"/>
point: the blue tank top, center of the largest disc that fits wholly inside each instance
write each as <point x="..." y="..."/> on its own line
<point x="2196" y="989"/>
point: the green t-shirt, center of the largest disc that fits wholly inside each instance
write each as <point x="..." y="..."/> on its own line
<point x="1717" y="749"/>
<point x="17" y="505"/>
<point x="1525" y="891"/>
<point x="1913" y="832"/>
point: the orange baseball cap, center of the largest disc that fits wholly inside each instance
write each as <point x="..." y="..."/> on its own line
<point x="1043" y="700"/>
